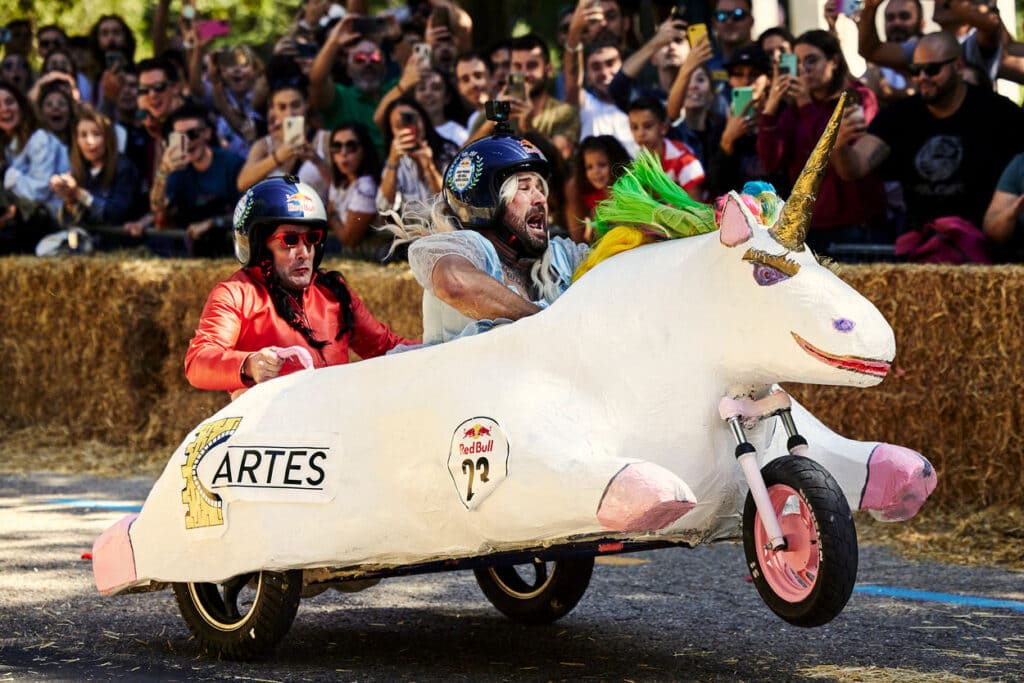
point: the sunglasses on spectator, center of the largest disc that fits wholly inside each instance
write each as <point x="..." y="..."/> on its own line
<point x="738" y="14"/>
<point x="46" y="44"/>
<point x="292" y="239"/>
<point x="348" y="145"/>
<point x="362" y="58"/>
<point x="193" y="133"/>
<point x="156" y="87"/>
<point x="902" y="16"/>
<point x="929" y="68"/>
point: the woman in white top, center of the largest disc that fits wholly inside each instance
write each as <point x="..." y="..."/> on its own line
<point x="355" y="167"/>
<point x="417" y="157"/>
<point x="31" y="155"/>
<point x="304" y="155"/>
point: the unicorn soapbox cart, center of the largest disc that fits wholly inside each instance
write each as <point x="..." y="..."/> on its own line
<point x="639" y="411"/>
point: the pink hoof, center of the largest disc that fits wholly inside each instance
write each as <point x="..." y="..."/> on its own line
<point x="644" y="497"/>
<point x="899" y="481"/>
<point x="113" y="562"/>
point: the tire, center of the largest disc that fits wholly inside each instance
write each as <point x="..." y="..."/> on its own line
<point x="809" y="583"/>
<point x="536" y="593"/>
<point x="244" y="617"/>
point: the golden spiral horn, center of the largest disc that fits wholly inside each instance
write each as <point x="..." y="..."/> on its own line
<point x="791" y="229"/>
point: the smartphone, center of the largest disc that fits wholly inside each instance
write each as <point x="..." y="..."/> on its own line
<point x="114" y="59"/>
<point x="406" y="119"/>
<point x="694" y="32"/>
<point x="741" y="97"/>
<point x="294" y="129"/>
<point x="178" y="140"/>
<point x="439" y="17"/>
<point x="367" y="26"/>
<point x="516" y="87"/>
<point x="422" y="50"/>
<point x="787" y="63"/>
<point x="214" y="28"/>
<point x="850" y="8"/>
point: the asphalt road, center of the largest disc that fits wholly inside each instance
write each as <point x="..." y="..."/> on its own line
<point x="672" y="614"/>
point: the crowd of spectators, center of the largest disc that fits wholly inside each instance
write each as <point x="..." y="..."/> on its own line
<point x="153" y="153"/>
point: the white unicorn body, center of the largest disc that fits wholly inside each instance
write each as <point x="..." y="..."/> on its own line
<point x="517" y="438"/>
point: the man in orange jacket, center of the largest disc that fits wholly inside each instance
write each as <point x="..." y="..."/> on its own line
<point x="280" y="298"/>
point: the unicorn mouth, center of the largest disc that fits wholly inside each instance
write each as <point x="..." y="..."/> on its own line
<point x="863" y="366"/>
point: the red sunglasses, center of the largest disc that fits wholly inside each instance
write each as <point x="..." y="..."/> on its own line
<point x="292" y="239"/>
<point x="366" y="57"/>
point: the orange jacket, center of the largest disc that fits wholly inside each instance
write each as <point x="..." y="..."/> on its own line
<point x="239" y="318"/>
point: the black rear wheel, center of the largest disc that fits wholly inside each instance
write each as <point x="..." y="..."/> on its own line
<point x="538" y="592"/>
<point x="809" y="582"/>
<point x="243" y="618"/>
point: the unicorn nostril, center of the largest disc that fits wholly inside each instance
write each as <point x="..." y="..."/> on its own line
<point x="843" y="325"/>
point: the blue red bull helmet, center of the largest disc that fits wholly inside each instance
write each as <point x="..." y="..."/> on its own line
<point x="268" y="204"/>
<point x="472" y="181"/>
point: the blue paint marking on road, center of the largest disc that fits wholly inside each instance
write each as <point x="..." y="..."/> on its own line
<point x="932" y="596"/>
<point x="92" y="503"/>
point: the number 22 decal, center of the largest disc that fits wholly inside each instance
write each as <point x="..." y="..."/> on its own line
<point x="469" y="467"/>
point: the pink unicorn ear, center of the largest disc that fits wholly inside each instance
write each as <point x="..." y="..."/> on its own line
<point x="734" y="228"/>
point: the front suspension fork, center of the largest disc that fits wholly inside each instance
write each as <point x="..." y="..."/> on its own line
<point x="734" y="412"/>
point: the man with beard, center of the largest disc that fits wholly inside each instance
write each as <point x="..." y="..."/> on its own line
<point x="978" y="30"/>
<point x="946" y="145"/>
<point x="904" y="20"/>
<point x="473" y="80"/>
<point x="365" y="66"/>
<point x="486" y="258"/>
<point x="558" y="121"/>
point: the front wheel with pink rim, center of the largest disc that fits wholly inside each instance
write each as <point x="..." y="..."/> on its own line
<point x="809" y="581"/>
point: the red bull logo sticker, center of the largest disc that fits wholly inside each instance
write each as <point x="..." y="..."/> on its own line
<point x="477" y="459"/>
<point x="529" y="147"/>
<point x="300" y="202"/>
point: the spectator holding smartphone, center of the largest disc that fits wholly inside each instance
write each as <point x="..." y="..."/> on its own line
<point x="196" y="186"/>
<point x="588" y="73"/>
<point x="734" y="161"/>
<point x="417" y="155"/>
<point x="304" y="155"/>
<point x="364" y="61"/>
<point x="233" y="75"/>
<point x="849" y="212"/>
<point x="666" y="51"/>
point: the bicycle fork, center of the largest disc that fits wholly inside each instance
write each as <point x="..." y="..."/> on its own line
<point x="734" y="412"/>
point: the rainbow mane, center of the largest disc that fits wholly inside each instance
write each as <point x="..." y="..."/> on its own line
<point x="645" y="205"/>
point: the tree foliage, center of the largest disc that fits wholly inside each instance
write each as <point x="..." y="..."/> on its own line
<point x="254" y="22"/>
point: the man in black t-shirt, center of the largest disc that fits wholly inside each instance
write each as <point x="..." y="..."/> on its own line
<point x="946" y="145"/>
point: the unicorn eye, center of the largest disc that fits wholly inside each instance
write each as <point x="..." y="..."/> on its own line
<point x="766" y="275"/>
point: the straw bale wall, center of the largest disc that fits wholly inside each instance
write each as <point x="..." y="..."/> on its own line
<point x="94" y="350"/>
